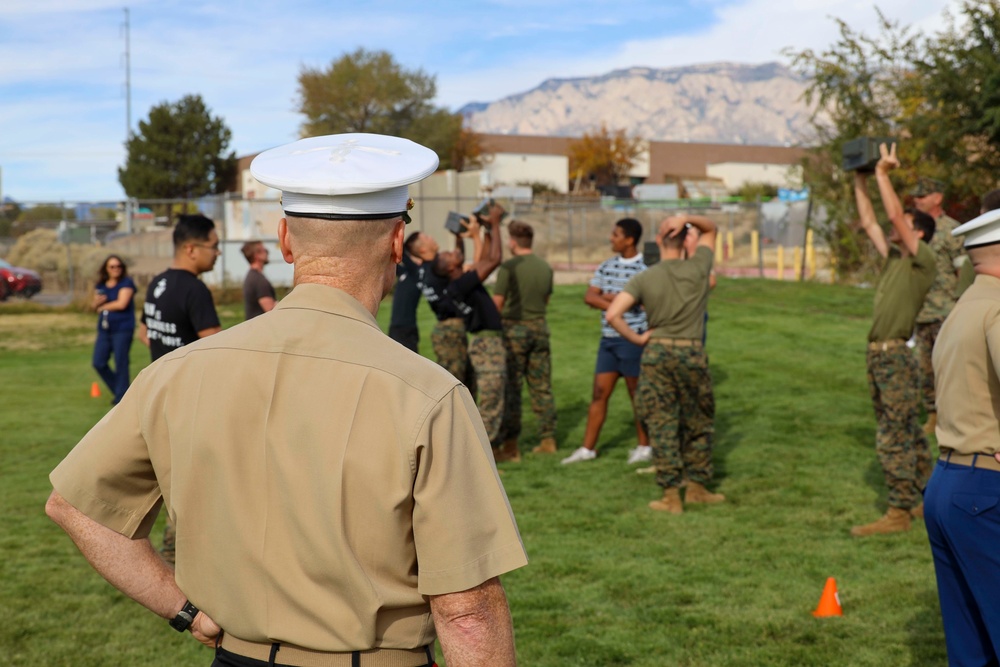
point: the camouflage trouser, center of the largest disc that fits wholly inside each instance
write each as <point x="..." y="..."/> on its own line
<point x="490" y="364"/>
<point x="452" y="350"/>
<point x="169" y="549"/>
<point x="529" y="357"/>
<point x="675" y="402"/>
<point x="926" y="335"/>
<point x="900" y="443"/>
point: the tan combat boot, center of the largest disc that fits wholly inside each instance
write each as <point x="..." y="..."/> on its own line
<point x="918" y="511"/>
<point x="896" y="520"/>
<point x="671" y="502"/>
<point x="696" y="493"/>
<point x="931" y="424"/>
<point x="508" y="452"/>
<point x="547" y="446"/>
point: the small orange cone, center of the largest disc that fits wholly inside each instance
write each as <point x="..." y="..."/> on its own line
<point x="95" y="391"/>
<point x="829" y="602"/>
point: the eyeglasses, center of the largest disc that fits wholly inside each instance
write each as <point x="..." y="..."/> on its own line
<point x="114" y="266"/>
<point x="214" y="247"/>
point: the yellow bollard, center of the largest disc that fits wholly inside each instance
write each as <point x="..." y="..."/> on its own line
<point x="781" y="262"/>
<point x="810" y="255"/>
<point x="755" y="246"/>
<point x="729" y="245"/>
<point x="797" y="264"/>
<point x="718" y="248"/>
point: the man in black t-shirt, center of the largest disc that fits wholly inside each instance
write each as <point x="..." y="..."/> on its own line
<point x="448" y="338"/>
<point x="179" y="308"/>
<point x="405" y="297"/>
<point x="482" y="319"/>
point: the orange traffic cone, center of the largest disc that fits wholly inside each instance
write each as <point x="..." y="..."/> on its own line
<point x="95" y="391"/>
<point x="829" y="602"/>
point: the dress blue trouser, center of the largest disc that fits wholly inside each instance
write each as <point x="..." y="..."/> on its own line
<point x="962" y="512"/>
<point x="117" y="344"/>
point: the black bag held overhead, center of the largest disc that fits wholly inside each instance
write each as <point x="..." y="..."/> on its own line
<point x="454" y="223"/>
<point x="862" y="154"/>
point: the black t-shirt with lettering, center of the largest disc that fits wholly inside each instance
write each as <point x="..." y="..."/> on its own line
<point x="475" y="303"/>
<point x="178" y="306"/>
<point x="433" y="288"/>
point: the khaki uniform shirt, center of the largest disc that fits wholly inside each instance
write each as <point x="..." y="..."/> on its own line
<point x="949" y="254"/>
<point x="900" y="291"/>
<point x="966" y="366"/>
<point x="324" y="480"/>
<point x="675" y="295"/>
<point x="525" y="282"/>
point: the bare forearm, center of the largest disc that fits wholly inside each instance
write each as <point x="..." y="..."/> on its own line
<point x="131" y="566"/>
<point x="617" y="322"/>
<point x="475" y="627"/>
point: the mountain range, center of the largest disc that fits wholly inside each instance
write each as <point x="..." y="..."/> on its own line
<point x="726" y="103"/>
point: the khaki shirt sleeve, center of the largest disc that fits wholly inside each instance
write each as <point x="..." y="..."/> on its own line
<point x="108" y="476"/>
<point x="993" y="341"/>
<point x="463" y="528"/>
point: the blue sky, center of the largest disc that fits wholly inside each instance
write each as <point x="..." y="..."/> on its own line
<point x="62" y="62"/>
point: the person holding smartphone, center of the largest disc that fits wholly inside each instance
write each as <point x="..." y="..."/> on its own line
<point x="114" y="301"/>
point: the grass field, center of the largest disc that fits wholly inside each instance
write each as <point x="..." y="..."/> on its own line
<point x="610" y="582"/>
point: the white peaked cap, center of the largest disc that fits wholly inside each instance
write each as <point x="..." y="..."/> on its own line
<point x="983" y="230"/>
<point x="345" y="176"/>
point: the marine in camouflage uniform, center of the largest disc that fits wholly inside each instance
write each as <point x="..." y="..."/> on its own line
<point x="905" y="279"/>
<point x="448" y="338"/>
<point x="674" y="397"/>
<point x="943" y="294"/>
<point x="482" y="320"/>
<point x="523" y="287"/>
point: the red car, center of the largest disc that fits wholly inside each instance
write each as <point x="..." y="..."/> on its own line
<point x="18" y="281"/>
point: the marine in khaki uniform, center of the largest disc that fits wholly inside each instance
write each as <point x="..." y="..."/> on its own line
<point x="521" y="294"/>
<point x="674" y="397"/>
<point x="928" y="198"/>
<point x="961" y="500"/>
<point x="906" y="276"/>
<point x="334" y="493"/>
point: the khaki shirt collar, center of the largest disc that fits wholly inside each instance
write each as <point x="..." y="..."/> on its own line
<point x="328" y="300"/>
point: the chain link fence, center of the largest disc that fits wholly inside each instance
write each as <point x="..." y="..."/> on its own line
<point x="756" y="239"/>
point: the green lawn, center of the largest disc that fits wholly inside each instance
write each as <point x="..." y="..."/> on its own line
<point x="610" y="582"/>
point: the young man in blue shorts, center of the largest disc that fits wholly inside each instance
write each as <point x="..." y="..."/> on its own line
<point x="616" y="357"/>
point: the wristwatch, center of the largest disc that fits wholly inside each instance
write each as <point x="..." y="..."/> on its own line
<point x="182" y="621"/>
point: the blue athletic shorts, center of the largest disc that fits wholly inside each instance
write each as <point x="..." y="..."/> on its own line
<point x="617" y="355"/>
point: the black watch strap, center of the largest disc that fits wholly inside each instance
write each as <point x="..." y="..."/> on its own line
<point x="182" y="621"/>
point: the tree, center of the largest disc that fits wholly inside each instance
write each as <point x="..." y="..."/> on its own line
<point x="603" y="157"/>
<point x="368" y="91"/>
<point x="924" y="92"/>
<point x="180" y="152"/>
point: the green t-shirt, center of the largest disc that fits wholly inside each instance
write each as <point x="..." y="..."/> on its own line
<point x="525" y="283"/>
<point x="674" y="293"/>
<point x="900" y="292"/>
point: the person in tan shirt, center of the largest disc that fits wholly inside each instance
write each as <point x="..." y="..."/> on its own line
<point x="335" y="496"/>
<point x="961" y="500"/>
